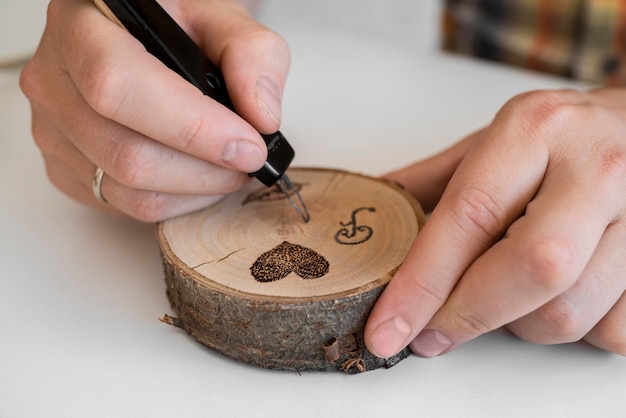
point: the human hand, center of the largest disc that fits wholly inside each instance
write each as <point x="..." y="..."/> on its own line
<point x="530" y="232"/>
<point x="99" y="99"/>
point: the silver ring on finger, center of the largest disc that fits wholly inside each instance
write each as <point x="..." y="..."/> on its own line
<point x="96" y="184"/>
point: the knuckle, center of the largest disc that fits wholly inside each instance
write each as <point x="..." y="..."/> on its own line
<point x="416" y="287"/>
<point x="613" y="164"/>
<point x="131" y="167"/>
<point x="549" y="263"/>
<point x="53" y="147"/>
<point x="194" y="136"/>
<point x="562" y="320"/>
<point x="540" y="104"/>
<point x="260" y="43"/>
<point x="543" y="110"/>
<point x="148" y="207"/>
<point x="470" y="324"/>
<point x="54" y="175"/>
<point x="105" y="85"/>
<point x="32" y="82"/>
<point x="42" y="140"/>
<point x="269" y="42"/>
<point x="28" y="80"/>
<point x="278" y="45"/>
<point x="482" y="212"/>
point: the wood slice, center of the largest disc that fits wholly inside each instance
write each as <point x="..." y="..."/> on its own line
<point x="250" y="279"/>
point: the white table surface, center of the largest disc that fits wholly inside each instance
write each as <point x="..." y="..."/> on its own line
<point x="81" y="292"/>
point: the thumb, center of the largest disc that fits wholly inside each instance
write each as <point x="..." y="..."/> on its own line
<point x="254" y="60"/>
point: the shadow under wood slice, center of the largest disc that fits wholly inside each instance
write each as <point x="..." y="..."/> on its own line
<point x="247" y="278"/>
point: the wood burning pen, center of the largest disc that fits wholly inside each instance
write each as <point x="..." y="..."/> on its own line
<point x="162" y="37"/>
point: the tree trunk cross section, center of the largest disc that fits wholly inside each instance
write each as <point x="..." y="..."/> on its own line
<point x="249" y="279"/>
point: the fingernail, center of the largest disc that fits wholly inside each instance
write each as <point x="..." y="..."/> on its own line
<point x="268" y="97"/>
<point x="243" y="155"/>
<point x="390" y="337"/>
<point x="430" y="343"/>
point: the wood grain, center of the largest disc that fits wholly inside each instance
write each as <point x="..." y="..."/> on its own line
<point x="248" y="278"/>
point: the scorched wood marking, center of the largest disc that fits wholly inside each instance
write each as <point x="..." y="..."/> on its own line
<point x="357" y="234"/>
<point x="285" y="258"/>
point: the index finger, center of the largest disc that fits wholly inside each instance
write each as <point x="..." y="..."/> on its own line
<point x="124" y="83"/>
<point x="492" y="186"/>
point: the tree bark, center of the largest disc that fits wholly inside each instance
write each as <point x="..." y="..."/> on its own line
<point x="248" y="278"/>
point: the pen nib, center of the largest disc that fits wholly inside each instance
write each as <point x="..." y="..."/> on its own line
<point x="285" y="186"/>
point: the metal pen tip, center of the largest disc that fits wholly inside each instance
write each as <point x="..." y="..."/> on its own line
<point x="286" y="186"/>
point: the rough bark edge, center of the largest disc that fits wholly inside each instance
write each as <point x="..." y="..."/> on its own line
<point x="320" y="336"/>
<point x="325" y="345"/>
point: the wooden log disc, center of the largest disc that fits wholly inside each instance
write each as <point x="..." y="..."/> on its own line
<point x="250" y="279"/>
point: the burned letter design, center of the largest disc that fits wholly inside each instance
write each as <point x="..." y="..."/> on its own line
<point x="266" y="194"/>
<point x="285" y="258"/>
<point x="352" y="233"/>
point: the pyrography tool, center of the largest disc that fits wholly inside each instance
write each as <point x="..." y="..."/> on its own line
<point x="150" y="24"/>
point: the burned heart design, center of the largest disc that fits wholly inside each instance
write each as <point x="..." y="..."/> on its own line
<point x="285" y="258"/>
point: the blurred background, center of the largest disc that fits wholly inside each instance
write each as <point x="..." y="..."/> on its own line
<point x="21" y="25"/>
<point x="406" y="22"/>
